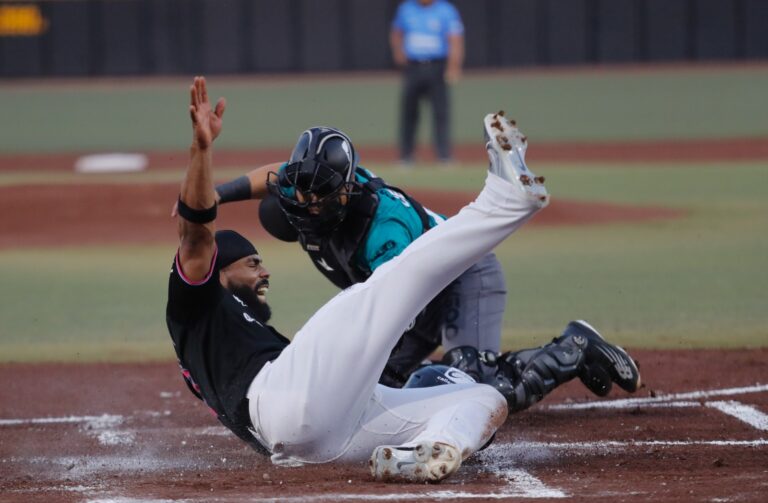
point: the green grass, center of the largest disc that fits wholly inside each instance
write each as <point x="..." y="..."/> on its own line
<point x="697" y="281"/>
<point x="659" y="103"/>
<point x="108" y="303"/>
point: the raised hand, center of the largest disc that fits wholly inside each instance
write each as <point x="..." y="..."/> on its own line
<point x="206" y="123"/>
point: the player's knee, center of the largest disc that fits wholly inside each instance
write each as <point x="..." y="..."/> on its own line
<point x="490" y="397"/>
<point x="496" y="403"/>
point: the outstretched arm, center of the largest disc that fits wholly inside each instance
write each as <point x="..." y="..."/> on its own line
<point x="197" y="244"/>
<point x="252" y="185"/>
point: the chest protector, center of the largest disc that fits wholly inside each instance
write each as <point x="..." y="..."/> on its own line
<point x="333" y="254"/>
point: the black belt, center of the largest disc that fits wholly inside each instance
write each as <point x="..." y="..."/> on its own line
<point x="424" y="62"/>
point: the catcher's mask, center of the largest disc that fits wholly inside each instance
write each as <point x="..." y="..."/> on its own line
<point x="314" y="187"/>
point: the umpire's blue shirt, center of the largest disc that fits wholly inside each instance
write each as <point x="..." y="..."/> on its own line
<point x="426" y="28"/>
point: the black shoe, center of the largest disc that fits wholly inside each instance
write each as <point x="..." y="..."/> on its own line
<point x="604" y="362"/>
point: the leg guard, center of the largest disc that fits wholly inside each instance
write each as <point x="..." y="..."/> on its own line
<point x="523" y="377"/>
<point x="581" y="351"/>
<point x="532" y="373"/>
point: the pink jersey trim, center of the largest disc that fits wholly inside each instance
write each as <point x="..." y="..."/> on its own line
<point x="207" y="276"/>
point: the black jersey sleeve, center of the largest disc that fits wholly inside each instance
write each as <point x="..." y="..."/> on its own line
<point x="188" y="299"/>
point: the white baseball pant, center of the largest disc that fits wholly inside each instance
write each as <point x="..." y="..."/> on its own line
<point x="319" y="401"/>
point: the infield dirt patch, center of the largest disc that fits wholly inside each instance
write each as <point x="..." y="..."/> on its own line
<point x="69" y="214"/>
<point x="129" y="433"/>
<point x="711" y="150"/>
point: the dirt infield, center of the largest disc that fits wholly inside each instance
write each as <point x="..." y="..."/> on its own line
<point x="56" y="215"/>
<point x="698" y="431"/>
<point x="713" y="150"/>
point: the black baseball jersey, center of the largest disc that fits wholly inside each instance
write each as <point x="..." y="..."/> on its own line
<point x="220" y="344"/>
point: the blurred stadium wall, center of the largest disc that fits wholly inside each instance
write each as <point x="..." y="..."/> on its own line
<point x="167" y="37"/>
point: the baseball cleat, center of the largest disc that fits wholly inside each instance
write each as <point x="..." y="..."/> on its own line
<point x="506" y="147"/>
<point x="424" y="462"/>
<point x="603" y="362"/>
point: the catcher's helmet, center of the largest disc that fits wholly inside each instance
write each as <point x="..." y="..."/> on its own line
<point x="436" y="375"/>
<point x="321" y="170"/>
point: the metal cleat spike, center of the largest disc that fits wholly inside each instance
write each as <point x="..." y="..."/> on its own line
<point x="513" y="122"/>
<point x="506" y="146"/>
<point x="497" y="125"/>
<point x="539" y="179"/>
<point x="525" y="179"/>
<point x="524" y="139"/>
<point x="501" y="112"/>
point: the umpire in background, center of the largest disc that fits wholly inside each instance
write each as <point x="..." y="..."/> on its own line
<point x="427" y="41"/>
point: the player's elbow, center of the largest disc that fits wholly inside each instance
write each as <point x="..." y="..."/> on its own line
<point x="196" y="238"/>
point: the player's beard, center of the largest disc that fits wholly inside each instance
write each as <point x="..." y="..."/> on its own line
<point x="248" y="295"/>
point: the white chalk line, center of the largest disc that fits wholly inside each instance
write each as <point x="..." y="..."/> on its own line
<point x="429" y="495"/>
<point x="746" y="413"/>
<point x="738" y="410"/>
<point x="626" y="403"/>
<point x="624" y="445"/>
<point x="425" y="496"/>
<point x="105" y="419"/>
<point x="521" y="485"/>
<point x="122" y="499"/>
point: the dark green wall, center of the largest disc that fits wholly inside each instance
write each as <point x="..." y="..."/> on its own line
<point x="128" y="37"/>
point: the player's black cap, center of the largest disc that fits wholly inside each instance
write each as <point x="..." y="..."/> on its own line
<point x="232" y="246"/>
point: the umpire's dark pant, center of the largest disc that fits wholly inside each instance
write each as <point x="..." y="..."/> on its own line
<point x="425" y="78"/>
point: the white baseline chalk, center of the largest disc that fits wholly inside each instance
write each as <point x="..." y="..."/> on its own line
<point x="746" y="413"/>
<point x="628" y="403"/>
<point x="103" y="419"/>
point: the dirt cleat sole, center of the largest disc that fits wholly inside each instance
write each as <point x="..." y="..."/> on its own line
<point x="604" y="362"/>
<point x="424" y="462"/>
<point x="506" y="147"/>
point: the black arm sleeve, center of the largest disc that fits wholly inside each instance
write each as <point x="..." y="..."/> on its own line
<point x="238" y="189"/>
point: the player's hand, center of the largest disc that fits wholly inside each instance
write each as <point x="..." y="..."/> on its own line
<point x="206" y="122"/>
<point x="452" y="74"/>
